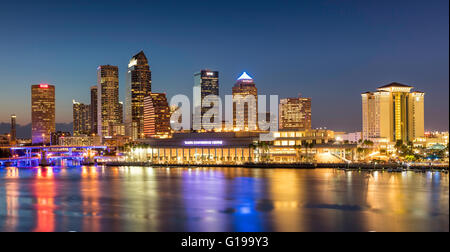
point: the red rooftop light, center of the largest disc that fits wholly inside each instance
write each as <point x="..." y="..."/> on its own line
<point x="43" y="86"/>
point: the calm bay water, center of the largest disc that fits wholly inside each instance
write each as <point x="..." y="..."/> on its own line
<point x="214" y="199"/>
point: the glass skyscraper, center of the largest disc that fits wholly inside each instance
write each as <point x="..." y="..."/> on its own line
<point x="139" y="85"/>
<point x="206" y="83"/>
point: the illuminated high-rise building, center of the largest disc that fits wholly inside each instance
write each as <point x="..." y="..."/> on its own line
<point x="107" y="98"/>
<point x="393" y="113"/>
<point x="206" y="83"/>
<point x="139" y="85"/>
<point x="81" y="119"/>
<point x="156" y="116"/>
<point x="121" y="112"/>
<point x="94" y="113"/>
<point x="295" y="113"/>
<point x="245" y="92"/>
<point x="42" y="113"/>
<point x="13" y="133"/>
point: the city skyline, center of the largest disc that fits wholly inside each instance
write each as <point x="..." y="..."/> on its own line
<point x="343" y="70"/>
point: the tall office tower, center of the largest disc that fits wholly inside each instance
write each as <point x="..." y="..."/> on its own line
<point x="13" y="133"/>
<point x="107" y="98"/>
<point x="42" y="113"/>
<point x="156" y="116"/>
<point x="120" y="112"/>
<point x="393" y="113"/>
<point x="139" y="85"/>
<point x="245" y="87"/>
<point x="81" y="119"/>
<point x="295" y="113"/>
<point x="94" y="113"/>
<point x="206" y="83"/>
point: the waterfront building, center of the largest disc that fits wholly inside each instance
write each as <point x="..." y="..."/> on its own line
<point x="115" y="142"/>
<point x="13" y="133"/>
<point x="107" y="98"/>
<point x="139" y="85"/>
<point x="56" y="136"/>
<point x="320" y="145"/>
<point x="80" y="140"/>
<point x="81" y="118"/>
<point x="206" y="82"/>
<point x="295" y="113"/>
<point x="393" y="113"/>
<point x="94" y="111"/>
<point x="433" y="139"/>
<point x="157" y="116"/>
<point x="242" y="147"/>
<point x="42" y="113"/>
<point x="353" y="137"/>
<point x="245" y="93"/>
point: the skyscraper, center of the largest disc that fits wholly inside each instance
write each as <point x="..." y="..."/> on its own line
<point x="81" y="119"/>
<point x="13" y="133"/>
<point x="393" y="113"/>
<point x="295" y="113"/>
<point x="42" y="113"/>
<point x="94" y="111"/>
<point x="139" y="85"/>
<point x="107" y="98"/>
<point x="156" y="116"/>
<point x="245" y="93"/>
<point x="206" y="83"/>
<point x="120" y="112"/>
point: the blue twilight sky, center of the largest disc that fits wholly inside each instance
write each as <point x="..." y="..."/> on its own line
<point x="329" y="50"/>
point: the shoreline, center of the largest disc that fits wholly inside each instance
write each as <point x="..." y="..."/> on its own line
<point x="355" y="166"/>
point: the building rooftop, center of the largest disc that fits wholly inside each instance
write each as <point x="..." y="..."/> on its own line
<point x="396" y="84"/>
<point x="245" y="76"/>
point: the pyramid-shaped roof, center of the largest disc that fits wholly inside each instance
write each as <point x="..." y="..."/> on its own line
<point x="245" y="76"/>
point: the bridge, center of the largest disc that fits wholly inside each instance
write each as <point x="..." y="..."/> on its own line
<point x="47" y="155"/>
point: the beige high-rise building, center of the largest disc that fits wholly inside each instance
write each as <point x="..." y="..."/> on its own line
<point x="295" y="113"/>
<point x="393" y="113"/>
<point x="107" y="98"/>
<point x="42" y="113"/>
<point x="245" y="94"/>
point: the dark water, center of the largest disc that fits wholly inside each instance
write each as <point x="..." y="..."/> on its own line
<point x="228" y="199"/>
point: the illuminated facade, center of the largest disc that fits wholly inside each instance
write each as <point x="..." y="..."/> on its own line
<point x="42" y="113"/>
<point x="241" y="147"/>
<point x="295" y="113"/>
<point x="13" y="133"/>
<point x="121" y="112"/>
<point x="107" y="98"/>
<point x="156" y="116"/>
<point x="80" y="140"/>
<point x="56" y="136"/>
<point x="393" y="113"/>
<point x="246" y="94"/>
<point x="94" y="113"/>
<point x="206" y="83"/>
<point x="81" y="119"/>
<point x="139" y="85"/>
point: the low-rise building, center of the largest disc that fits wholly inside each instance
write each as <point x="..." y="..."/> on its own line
<point x="81" y="140"/>
<point x="241" y="147"/>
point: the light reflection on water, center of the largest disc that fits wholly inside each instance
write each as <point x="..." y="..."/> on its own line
<point x="220" y="199"/>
